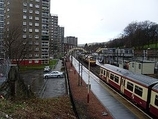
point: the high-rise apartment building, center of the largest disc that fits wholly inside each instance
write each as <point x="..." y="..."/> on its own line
<point x="61" y="39"/>
<point x="70" y="42"/>
<point x="53" y="35"/>
<point x="1" y="27"/>
<point x="32" y="17"/>
<point x="56" y="37"/>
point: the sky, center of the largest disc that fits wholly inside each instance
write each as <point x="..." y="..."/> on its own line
<point x="94" y="21"/>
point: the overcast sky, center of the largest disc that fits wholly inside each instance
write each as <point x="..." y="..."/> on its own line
<point x="101" y="20"/>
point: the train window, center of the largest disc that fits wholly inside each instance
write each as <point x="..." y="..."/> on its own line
<point x="156" y="100"/>
<point x="139" y="66"/>
<point x="123" y="82"/>
<point x="111" y="76"/>
<point x="130" y="86"/>
<point x="104" y="72"/>
<point x="116" y="79"/>
<point x="132" y="64"/>
<point x="101" y="70"/>
<point x="138" y="90"/>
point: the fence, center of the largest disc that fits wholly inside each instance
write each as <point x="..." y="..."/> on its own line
<point x="4" y="69"/>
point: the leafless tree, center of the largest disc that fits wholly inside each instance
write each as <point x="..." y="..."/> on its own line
<point x="15" y="47"/>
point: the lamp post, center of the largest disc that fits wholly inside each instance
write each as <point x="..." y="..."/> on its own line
<point x="147" y="54"/>
<point x="88" y="80"/>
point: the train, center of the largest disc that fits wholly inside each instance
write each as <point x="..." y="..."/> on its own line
<point x="140" y="89"/>
<point x="88" y="58"/>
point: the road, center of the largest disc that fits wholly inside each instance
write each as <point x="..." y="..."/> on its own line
<point x="45" y="88"/>
<point x="54" y="87"/>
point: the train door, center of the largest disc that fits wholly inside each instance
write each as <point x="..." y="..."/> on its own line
<point x="122" y="83"/>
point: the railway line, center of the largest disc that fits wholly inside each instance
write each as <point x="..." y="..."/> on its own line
<point x="124" y="101"/>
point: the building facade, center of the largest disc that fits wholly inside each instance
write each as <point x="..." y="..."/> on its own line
<point x="56" y="38"/>
<point x="61" y="40"/>
<point x="53" y="35"/>
<point x="1" y="28"/>
<point x="32" y="17"/>
<point x="70" y="42"/>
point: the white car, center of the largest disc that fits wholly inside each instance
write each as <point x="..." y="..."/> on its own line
<point x="56" y="74"/>
<point x="46" y="69"/>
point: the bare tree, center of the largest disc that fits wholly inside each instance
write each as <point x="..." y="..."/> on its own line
<point x="16" y="48"/>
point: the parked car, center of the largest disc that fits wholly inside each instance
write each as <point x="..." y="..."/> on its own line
<point x="56" y="74"/>
<point x="46" y="69"/>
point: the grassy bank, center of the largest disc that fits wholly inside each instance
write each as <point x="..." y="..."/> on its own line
<point x="35" y="108"/>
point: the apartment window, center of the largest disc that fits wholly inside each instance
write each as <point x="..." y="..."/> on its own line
<point x="37" y="6"/>
<point x="24" y="4"/>
<point x="36" y="30"/>
<point x="24" y="43"/>
<point x="30" y="36"/>
<point x="31" y="5"/>
<point x="36" y="43"/>
<point x="24" y="10"/>
<point x="30" y="30"/>
<point x="36" y="61"/>
<point x="30" y="17"/>
<point x="8" y="3"/>
<point x="24" y="29"/>
<point x="24" y="36"/>
<point x="36" y="36"/>
<point x="30" y="55"/>
<point x="36" y="49"/>
<point x="36" y="18"/>
<point x="24" y="23"/>
<point x="30" y="11"/>
<point x="36" y="24"/>
<point x="24" y="16"/>
<point x="36" y="12"/>
<point x="30" y="23"/>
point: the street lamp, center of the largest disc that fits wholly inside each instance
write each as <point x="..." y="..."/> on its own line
<point x="147" y="54"/>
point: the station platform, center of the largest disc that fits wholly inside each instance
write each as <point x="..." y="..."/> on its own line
<point x="115" y="108"/>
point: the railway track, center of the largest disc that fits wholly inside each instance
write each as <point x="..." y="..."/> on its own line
<point x="95" y="70"/>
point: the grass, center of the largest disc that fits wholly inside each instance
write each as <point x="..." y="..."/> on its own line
<point x="151" y="46"/>
<point x="52" y="63"/>
<point x="36" y="108"/>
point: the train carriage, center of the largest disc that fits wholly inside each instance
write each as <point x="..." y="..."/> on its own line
<point x="88" y="58"/>
<point x="154" y="101"/>
<point x="136" y="87"/>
